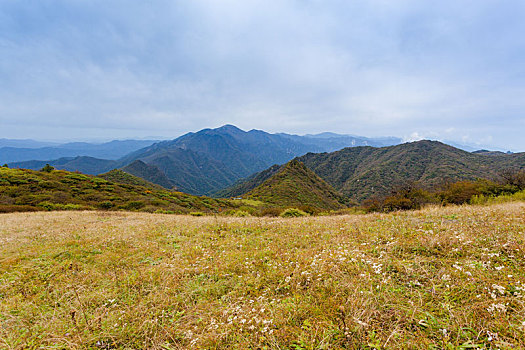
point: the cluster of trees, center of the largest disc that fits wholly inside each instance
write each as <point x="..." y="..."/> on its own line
<point x="410" y="195"/>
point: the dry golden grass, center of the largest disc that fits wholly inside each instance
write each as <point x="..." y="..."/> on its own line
<point x="437" y="278"/>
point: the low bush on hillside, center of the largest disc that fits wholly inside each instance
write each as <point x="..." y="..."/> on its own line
<point x="293" y="213"/>
<point x="240" y="213"/>
<point x="4" y="208"/>
<point x="410" y="196"/>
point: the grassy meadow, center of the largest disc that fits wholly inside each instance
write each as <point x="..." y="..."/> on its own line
<point x="443" y="277"/>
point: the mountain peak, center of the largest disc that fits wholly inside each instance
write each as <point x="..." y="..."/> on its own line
<point x="229" y="128"/>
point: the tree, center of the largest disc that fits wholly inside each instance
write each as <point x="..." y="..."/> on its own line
<point x="513" y="177"/>
<point x="48" y="168"/>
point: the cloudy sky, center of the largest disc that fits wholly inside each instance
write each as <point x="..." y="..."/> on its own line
<point x="449" y="69"/>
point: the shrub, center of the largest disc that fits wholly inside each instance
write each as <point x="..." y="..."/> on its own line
<point x="309" y="209"/>
<point x="197" y="213"/>
<point x="71" y="206"/>
<point x="47" y="168"/>
<point x="270" y="212"/>
<point x="292" y="213"/>
<point x="134" y="205"/>
<point x="240" y="213"/>
<point x="47" y="206"/>
<point x="459" y="192"/>
<point x="161" y="211"/>
<point x="105" y="205"/>
<point x="16" y="208"/>
<point x="513" y="177"/>
<point x="408" y="196"/>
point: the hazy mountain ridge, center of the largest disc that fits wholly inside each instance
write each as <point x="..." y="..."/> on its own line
<point x="83" y="164"/>
<point x="109" y="150"/>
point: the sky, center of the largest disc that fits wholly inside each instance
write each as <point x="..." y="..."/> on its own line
<point x="114" y="69"/>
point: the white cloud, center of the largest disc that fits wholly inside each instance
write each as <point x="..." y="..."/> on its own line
<point x="362" y="67"/>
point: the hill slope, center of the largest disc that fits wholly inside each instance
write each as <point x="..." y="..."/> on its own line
<point x="296" y="185"/>
<point x="121" y="177"/>
<point x="362" y="172"/>
<point x="23" y="190"/>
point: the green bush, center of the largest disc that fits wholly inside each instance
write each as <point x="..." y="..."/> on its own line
<point x="197" y="213"/>
<point x="71" y="206"/>
<point x="47" y="168"/>
<point x="240" y="213"/>
<point x="105" y="205"/>
<point x="292" y="213"/>
<point x="459" y="192"/>
<point x="270" y="212"/>
<point x="16" y="208"/>
<point x="47" y="206"/>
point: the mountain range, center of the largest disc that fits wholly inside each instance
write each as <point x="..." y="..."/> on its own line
<point x="207" y="161"/>
<point x="230" y="162"/>
<point x="360" y="173"/>
<point x="25" y="150"/>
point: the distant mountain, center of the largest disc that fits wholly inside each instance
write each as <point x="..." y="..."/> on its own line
<point x="86" y="165"/>
<point x="294" y="185"/>
<point x="330" y="142"/>
<point x="109" y="150"/>
<point x="490" y="153"/>
<point x="362" y="172"/>
<point x="26" y="143"/>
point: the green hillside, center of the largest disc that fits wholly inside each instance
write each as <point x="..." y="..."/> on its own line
<point x="294" y="185"/>
<point x="364" y="172"/>
<point x="29" y="190"/>
<point x="121" y="177"/>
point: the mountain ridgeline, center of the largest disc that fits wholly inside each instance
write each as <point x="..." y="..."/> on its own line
<point x="210" y="160"/>
<point x="229" y="162"/>
<point x="361" y="173"/>
<point x="11" y="151"/>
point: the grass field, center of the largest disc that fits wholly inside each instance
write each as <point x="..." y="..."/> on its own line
<point x="450" y="278"/>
